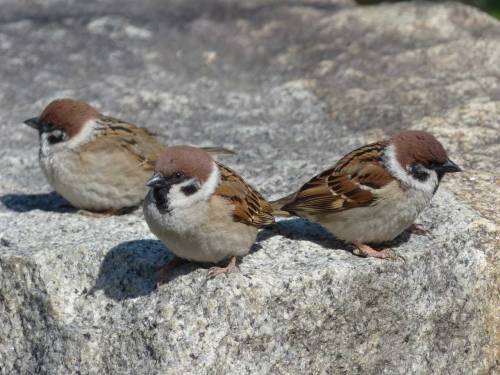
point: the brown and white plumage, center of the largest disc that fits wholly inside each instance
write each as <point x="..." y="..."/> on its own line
<point x="249" y="205"/>
<point x="97" y="162"/>
<point x="129" y="138"/>
<point x="375" y="192"/>
<point x="202" y="210"/>
<point x="348" y="184"/>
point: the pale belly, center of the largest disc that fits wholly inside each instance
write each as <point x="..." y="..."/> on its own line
<point x="97" y="184"/>
<point x="206" y="244"/>
<point x="381" y="222"/>
<point x="199" y="234"/>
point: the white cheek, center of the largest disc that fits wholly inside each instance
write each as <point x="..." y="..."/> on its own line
<point x="427" y="186"/>
<point x="86" y="134"/>
<point x="178" y="199"/>
<point x="48" y="149"/>
<point x="177" y="220"/>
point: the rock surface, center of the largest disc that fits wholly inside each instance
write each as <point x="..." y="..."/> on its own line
<point x="292" y="86"/>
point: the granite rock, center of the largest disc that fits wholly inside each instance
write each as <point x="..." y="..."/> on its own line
<point x="291" y="86"/>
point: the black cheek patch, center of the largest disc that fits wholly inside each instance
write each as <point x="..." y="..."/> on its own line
<point x="189" y="189"/>
<point x="419" y="173"/>
<point x="421" y="176"/>
<point x="53" y="139"/>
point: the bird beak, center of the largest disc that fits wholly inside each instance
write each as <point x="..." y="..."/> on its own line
<point x="33" y="122"/>
<point x="449" y="167"/>
<point x="156" y="180"/>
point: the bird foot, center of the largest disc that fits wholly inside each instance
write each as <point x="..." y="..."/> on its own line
<point x="362" y="249"/>
<point x="418" y="230"/>
<point x="231" y="267"/>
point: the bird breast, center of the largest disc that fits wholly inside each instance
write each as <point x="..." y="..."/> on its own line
<point x="394" y="210"/>
<point x="203" y="232"/>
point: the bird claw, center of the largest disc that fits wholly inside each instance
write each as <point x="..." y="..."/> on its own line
<point x="215" y="271"/>
<point x="367" y="251"/>
<point x="390" y="254"/>
<point x="417" y="229"/>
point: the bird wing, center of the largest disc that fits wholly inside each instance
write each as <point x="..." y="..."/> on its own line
<point x="351" y="183"/>
<point x="136" y="142"/>
<point x="249" y="206"/>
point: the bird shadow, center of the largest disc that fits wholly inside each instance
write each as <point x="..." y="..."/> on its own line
<point x="305" y="230"/>
<point x="49" y="202"/>
<point x="299" y="229"/>
<point x="130" y="269"/>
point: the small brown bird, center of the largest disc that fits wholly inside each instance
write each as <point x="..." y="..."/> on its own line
<point x="96" y="162"/>
<point x="375" y="192"/>
<point x="202" y="210"/>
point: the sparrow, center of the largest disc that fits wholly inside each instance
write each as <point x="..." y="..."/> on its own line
<point x="202" y="210"/>
<point x="98" y="163"/>
<point x="375" y="192"/>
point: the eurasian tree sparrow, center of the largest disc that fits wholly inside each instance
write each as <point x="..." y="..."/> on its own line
<point x="375" y="192"/>
<point x="98" y="163"/>
<point x="202" y="210"/>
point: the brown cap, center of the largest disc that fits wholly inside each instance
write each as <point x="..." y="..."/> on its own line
<point x="68" y="114"/>
<point x="187" y="160"/>
<point x="415" y="146"/>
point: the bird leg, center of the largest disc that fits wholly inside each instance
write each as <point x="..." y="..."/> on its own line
<point x="367" y="251"/>
<point x="165" y="270"/>
<point x="231" y="267"/>
<point x="417" y="229"/>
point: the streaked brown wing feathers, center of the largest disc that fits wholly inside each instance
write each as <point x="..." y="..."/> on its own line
<point x="137" y="142"/>
<point x="249" y="206"/>
<point x="346" y="185"/>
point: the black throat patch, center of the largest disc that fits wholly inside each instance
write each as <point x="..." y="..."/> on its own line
<point x="161" y="198"/>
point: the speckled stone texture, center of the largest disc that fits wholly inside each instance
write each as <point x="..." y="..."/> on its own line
<point x="291" y="86"/>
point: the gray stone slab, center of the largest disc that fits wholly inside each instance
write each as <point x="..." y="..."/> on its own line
<point x="291" y="86"/>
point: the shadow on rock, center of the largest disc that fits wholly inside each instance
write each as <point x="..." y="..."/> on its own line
<point x="129" y="270"/>
<point x="50" y="202"/>
<point x="302" y="229"/>
<point x="401" y="239"/>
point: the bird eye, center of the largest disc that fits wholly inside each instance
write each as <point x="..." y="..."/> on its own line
<point x="178" y="174"/>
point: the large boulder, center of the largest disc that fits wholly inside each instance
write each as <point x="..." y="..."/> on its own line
<point x="291" y="86"/>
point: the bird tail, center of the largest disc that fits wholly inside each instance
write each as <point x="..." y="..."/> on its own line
<point x="279" y="206"/>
